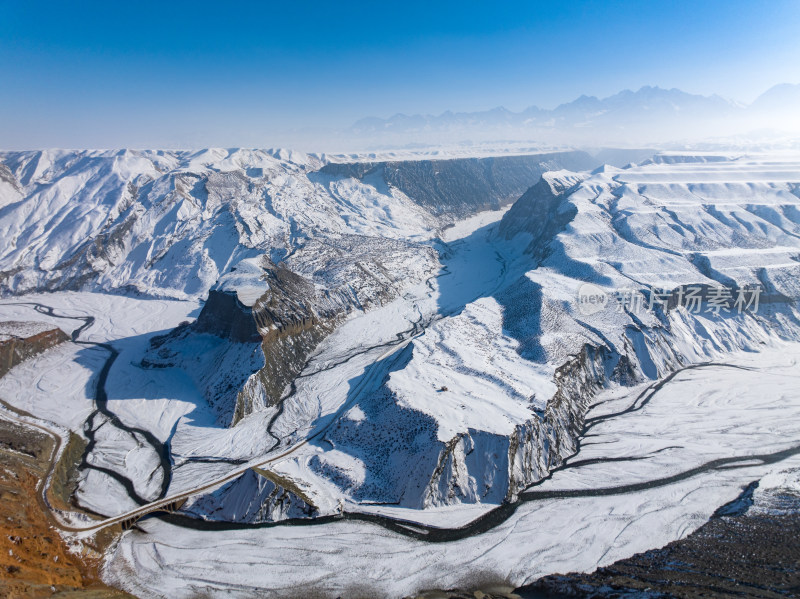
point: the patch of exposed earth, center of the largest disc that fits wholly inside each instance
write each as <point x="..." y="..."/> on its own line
<point x="34" y="560"/>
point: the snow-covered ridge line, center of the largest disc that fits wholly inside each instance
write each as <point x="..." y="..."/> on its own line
<point x="170" y="223"/>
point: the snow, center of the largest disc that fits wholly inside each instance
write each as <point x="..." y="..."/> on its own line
<point x="116" y="316"/>
<point x="11" y="329"/>
<point x="56" y="385"/>
<point x="466" y="375"/>
<point x="705" y="416"/>
<point x="418" y="404"/>
<point x="170" y="223"/>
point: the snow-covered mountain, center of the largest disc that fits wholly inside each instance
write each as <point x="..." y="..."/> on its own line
<point x="649" y="115"/>
<point x="323" y="238"/>
<point x="415" y="343"/>
<point x="783" y="99"/>
<point x="469" y="381"/>
<point x="492" y="396"/>
<point x="170" y="223"/>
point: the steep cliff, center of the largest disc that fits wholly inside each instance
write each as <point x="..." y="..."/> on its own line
<point x="460" y="187"/>
<point x="22" y="340"/>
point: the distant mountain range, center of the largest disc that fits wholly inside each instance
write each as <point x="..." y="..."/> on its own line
<point x="649" y="115"/>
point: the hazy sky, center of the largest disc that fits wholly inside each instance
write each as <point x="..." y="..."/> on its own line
<point x="169" y="73"/>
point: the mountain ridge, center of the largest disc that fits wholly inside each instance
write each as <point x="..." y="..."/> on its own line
<point x="650" y="114"/>
<point x="583" y="99"/>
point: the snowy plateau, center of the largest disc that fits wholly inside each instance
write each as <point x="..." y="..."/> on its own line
<point x="372" y="376"/>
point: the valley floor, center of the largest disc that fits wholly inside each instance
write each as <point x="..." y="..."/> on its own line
<point x="653" y="468"/>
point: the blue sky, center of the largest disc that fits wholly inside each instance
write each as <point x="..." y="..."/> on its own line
<point x="213" y="73"/>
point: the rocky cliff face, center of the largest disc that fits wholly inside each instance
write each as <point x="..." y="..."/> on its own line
<point x="460" y="187"/>
<point x="22" y="340"/>
<point x="261" y="323"/>
<point x="541" y="212"/>
<point x="534" y="448"/>
<point x="243" y="356"/>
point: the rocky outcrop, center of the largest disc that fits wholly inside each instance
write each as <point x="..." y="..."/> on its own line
<point x="243" y="357"/>
<point x="541" y="212"/>
<point x="262" y="321"/>
<point x="225" y="316"/>
<point x="22" y="340"/>
<point x="291" y="319"/>
<point x="477" y="466"/>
